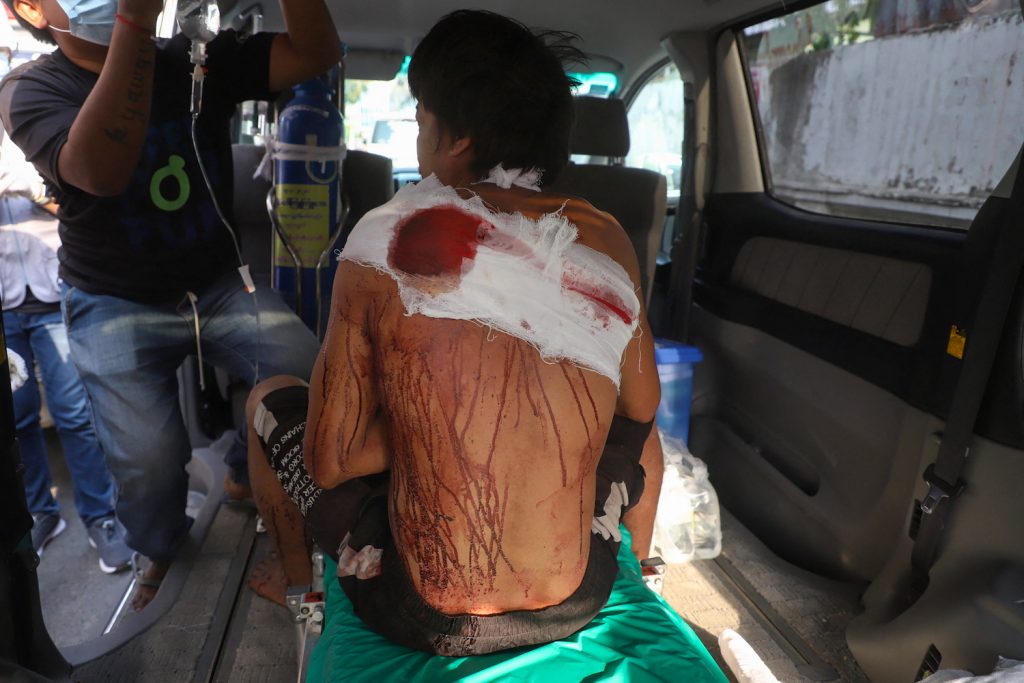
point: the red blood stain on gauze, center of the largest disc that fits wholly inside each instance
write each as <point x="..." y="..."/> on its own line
<point x="605" y="299"/>
<point x="440" y="240"/>
<point x="437" y="241"/>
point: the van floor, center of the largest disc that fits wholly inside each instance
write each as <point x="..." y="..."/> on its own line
<point x="220" y="631"/>
<point x="793" y="619"/>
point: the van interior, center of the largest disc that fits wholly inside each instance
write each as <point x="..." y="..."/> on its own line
<point x="826" y="200"/>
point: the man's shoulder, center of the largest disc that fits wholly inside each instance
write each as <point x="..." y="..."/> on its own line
<point x="594" y="227"/>
<point x="47" y="75"/>
<point x="23" y="86"/>
<point x="26" y="71"/>
<point x="365" y="278"/>
<point x="582" y="211"/>
<point x="545" y="203"/>
<point x="361" y="281"/>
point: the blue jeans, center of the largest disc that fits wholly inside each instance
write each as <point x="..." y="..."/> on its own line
<point x="41" y="338"/>
<point x="128" y="354"/>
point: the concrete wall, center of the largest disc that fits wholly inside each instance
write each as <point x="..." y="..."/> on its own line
<point x="921" y="124"/>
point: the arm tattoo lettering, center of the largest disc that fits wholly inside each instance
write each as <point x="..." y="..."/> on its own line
<point x="133" y="114"/>
<point x="135" y="94"/>
<point x="118" y="135"/>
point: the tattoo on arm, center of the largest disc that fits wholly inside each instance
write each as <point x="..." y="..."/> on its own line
<point x="118" y="135"/>
<point x="136" y="91"/>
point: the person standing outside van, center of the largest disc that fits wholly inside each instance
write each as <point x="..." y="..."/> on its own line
<point x="151" y="272"/>
<point x="35" y="334"/>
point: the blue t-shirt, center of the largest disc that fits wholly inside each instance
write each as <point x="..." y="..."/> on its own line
<point x="162" y="236"/>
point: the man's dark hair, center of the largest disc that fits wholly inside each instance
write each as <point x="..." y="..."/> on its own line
<point x="40" y="34"/>
<point x="494" y="80"/>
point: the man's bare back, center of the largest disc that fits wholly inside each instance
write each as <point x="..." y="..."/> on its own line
<point x="493" y="449"/>
<point x="494" y="453"/>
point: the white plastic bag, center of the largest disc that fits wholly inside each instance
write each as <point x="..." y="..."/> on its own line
<point x="1007" y="670"/>
<point x="17" y="369"/>
<point x="672" y="539"/>
<point x="745" y="664"/>
<point x="687" y="525"/>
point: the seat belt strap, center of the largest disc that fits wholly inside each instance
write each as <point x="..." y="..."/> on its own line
<point x="943" y="476"/>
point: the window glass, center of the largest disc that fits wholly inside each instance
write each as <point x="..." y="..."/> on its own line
<point x="901" y="110"/>
<point x="380" y="117"/>
<point x="656" y="127"/>
<point x="595" y="84"/>
<point x="17" y="45"/>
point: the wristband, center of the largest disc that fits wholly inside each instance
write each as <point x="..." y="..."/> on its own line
<point x="138" y="28"/>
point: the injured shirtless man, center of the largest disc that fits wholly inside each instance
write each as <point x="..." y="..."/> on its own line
<point x="475" y="422"/>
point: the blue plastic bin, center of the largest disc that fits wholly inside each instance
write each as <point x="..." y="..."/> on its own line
<point x="675" y="370"/>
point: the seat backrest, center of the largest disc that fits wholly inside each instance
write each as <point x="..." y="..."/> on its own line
<point x="367" y="180"/>
<point x="635" y="197"/>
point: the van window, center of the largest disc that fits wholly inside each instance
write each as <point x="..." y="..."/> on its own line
<point x="595" y="84"/>
<point x="887" y="109"/>
<point x="656" y="127"/>
<point x="655" y="118"/>
<point x="380" y="117"/>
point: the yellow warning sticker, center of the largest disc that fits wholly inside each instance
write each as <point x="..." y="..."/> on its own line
<point x="957" y="342"/>
<point x="304" y="212"/>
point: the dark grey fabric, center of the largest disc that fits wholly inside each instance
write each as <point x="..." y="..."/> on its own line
<point x="601" y="129"/>
<point x="368" y="182"/>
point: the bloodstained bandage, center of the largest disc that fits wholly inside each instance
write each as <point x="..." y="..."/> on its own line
<point x="436" y="241"/>
<point x="527" y="278"/>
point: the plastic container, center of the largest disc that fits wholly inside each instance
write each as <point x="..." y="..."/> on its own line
<point x="672" y="540"/>
<point x="688" y="523"/>
<point x="705" y="521"/>
<point x="675" y="370"/>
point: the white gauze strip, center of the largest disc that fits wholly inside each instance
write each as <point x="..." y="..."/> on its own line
<point x="455" y="258"/>
<point x="286" y="151"/>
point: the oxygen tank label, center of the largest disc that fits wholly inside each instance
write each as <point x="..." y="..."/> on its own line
<point x="304" y="214"/>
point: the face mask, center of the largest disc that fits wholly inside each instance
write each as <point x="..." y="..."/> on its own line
<point x="91" y="20"/>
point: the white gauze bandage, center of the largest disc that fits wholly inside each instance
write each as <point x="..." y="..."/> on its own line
<point x="454" y="258"/>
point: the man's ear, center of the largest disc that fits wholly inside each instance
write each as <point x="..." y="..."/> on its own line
<point x="458" y="147"/>
<point x="32" y="12"/>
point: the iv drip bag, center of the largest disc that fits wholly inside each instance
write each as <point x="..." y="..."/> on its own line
<point x="199" y="20"/>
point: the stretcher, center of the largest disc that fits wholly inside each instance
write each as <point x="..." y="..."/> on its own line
<point x="637" y="637"/>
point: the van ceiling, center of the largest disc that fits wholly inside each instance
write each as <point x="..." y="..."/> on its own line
<point x="627" y="32"/>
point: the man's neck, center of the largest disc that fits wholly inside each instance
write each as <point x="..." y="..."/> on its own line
<point x="82" y="53"/>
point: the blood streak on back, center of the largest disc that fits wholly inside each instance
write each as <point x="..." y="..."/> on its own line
<point x="436" y="241"/>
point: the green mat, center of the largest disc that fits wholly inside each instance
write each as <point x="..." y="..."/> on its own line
<point x="637" y="637"/>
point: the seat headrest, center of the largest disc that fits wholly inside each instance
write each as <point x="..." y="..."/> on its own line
<point x="601" y="127"/>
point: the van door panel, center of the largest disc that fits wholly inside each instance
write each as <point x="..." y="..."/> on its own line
<point x="820" y="335"/>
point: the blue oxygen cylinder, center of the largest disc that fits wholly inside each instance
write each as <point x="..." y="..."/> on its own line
<point x="307" y="199"/>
